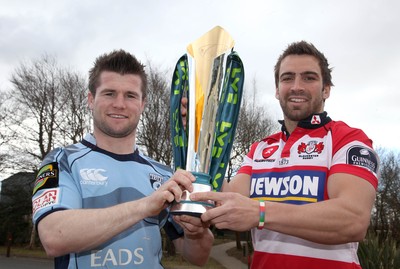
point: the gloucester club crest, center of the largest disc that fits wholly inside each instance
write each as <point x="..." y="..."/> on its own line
<point x="311" y="149"/>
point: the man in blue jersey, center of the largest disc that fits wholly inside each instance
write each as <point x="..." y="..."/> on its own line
<point x="101" y="202"/>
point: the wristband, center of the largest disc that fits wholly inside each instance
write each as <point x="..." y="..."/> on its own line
<point x="262" y="215"/>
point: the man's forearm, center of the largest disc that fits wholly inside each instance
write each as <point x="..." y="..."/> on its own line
<point x="69" y="231"/>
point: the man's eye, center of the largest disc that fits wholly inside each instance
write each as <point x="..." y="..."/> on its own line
<point x="286" y="78"/>
<point x="132" y="96"/>
<point x="309" y="78"/>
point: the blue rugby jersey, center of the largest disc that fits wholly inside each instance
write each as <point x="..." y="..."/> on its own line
<point x="85" y="176"/>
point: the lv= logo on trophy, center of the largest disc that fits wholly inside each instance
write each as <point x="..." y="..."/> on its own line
<point x="211" y="76"/>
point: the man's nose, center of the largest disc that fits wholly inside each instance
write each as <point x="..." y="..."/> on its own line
<point x="298" y="83"/>
<point x="119" y="101"/>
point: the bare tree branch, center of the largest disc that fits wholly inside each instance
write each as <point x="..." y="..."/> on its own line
<point x="254" y="124"/>
<point x="52" y="111"/>
<point x="154" y="131"/>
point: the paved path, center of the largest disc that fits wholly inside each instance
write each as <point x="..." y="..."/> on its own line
<point x="218" y="253"/>
<point x="23" y="263"/>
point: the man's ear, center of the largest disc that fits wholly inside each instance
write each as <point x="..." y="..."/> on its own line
<point x="326" y="91"/>
<point x="143" y="106"/>
<point x="90" y="100"/>
<point x="277" y="93"/>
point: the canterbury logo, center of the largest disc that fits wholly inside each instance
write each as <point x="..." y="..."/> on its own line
<point x="93" y="175"/>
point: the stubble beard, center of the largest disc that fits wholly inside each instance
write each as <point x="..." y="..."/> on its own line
<point x="298" y="114"/>
<point x="112" y="132"/>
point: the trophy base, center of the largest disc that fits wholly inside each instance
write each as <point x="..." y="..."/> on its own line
<point x="188" y="213"/>
<point x="194" y="208"/>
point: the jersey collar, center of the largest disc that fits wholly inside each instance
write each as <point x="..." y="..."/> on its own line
<point x="90" y="141"/>
<point x="314" y="121"/>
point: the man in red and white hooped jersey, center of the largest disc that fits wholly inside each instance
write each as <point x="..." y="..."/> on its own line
<point x="306" y="192"/>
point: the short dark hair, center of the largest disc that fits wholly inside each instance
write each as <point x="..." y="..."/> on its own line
<point x="305" y="48"/>
<point x="118" y="61"/>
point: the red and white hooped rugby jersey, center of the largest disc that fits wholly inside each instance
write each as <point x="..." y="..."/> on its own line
<point x="295" y="170"/>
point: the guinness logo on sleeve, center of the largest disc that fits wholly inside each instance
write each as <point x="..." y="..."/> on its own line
<point x="362" y="156"/>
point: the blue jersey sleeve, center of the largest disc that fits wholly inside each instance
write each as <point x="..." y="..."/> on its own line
<point x="55" y="187"/>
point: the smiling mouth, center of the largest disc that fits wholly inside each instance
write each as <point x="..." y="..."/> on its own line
<point x="297" y="100"/>
<point x="115" y="116"/>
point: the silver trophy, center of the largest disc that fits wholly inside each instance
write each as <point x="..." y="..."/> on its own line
<point x="194" y="208"/>
<point x="200" y="76"/>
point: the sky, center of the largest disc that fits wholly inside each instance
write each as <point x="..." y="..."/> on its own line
<point x="360" y="38"/>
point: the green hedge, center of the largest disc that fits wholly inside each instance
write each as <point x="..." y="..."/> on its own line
<point x="375" y="253"/>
